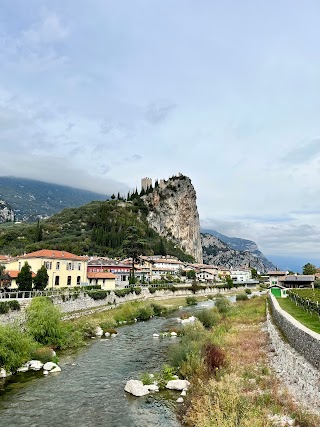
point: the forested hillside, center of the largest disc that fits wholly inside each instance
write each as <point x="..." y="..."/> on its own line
<point x="98" y="228"/>
<point x="32" y="199"/>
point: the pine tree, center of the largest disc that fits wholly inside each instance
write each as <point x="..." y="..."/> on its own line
<point x="40" y="282"/>
<point x="24" y="279"/>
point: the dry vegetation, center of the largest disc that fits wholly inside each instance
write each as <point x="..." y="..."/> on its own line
<point x="243" y="392"/>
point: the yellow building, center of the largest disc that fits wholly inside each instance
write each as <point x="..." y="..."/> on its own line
<point x="105" y="279"/>
<point x="64" y="269"/>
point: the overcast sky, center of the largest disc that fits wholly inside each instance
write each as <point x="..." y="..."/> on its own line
<point x="97" y="94"/>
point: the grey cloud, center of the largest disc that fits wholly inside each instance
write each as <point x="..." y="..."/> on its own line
<point x="303" y="153"/>
<point x="59" y="170"/>
<point x="157" y="113"/>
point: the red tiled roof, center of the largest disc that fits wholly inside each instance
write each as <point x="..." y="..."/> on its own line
<point x="103" y="275"/>
<point x="52" y="254"/>
<point x="14" y="273"/>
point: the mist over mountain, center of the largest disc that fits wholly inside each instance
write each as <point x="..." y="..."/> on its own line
<point x="31" y="199"/>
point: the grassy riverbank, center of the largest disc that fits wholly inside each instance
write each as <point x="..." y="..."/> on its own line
<point x="44" y="330"/>
<point x="227" y="365"/>
<point x="310" y="320"/>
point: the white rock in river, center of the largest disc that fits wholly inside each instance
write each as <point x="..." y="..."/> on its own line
<point x="45" y="372"/>
<point x="173" y="334"/>
<point x="179" y="400"/>
<point x="152" y="387"/>
<point x="35" y="365"/>
<point x="178" y="384"/>
<point x="136" y="388"/>
<point x="98" y="332"/>
<point x="113" y="335"/>
<point x="23" y="368"/>
<point x="49" y="365"/>
<point x="107" y="334"/>
<point x="3" y="373"/>
<point x="56" y="369"/>
<point x="183" y="393"/>
<point x="155" y="335"/>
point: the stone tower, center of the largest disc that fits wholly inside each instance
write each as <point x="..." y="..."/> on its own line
<point x="146" y="183"/>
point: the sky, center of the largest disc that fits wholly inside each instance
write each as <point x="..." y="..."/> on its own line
<point x="99" y="94"/>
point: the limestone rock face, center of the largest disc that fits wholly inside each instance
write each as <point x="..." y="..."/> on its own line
<point x="6" y="212"/>
<point x="218" y="253"/>
<point x="173" y="214"/>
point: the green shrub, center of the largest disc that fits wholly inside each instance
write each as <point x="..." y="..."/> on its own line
<point x="248" y="291"/>
<point x="241" y="297"/>
<point x="208" y="317"/>
<point x="4" y="307"/>
<point x="222" y="304"/>
<point x="167" y="373"/>
<point x="146" y="379"/>
<point x="99" y="294"/>
<point x="144" y="313"/>
<point x="191" y="300"/>
<point x="16" y="347"/>
<point x="44" y="354"/>
<point x="122" y="292"/>
<point x="159" y="309"/>
<point x="14" y="305"/>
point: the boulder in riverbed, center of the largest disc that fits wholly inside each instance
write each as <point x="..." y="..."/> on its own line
<point x="136" y="388"/>
<point x="35" y="365"/>
<point x="178" y="384"/>
<point x="49" y="366"/>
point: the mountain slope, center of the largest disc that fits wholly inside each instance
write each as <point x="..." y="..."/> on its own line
<point x="98" y="228"/>
<point x="32" y="199"/>
<point x="234" y="252"/>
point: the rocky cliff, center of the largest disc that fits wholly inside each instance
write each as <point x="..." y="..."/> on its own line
<point x="219" y="253"/>
<point x="173" y="214"/>
<point x="6" y="212"/>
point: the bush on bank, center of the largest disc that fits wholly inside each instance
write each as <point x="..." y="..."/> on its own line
<point x="15" y="347"/>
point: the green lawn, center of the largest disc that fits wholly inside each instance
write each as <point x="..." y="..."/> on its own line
<point x="311" y="321"/>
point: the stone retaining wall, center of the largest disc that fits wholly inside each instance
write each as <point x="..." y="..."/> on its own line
<point x="302" y="339"/>
<point x="300" y="376"/>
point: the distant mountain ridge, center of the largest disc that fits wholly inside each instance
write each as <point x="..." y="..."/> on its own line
<point x="219" y="249"/>
<point x="32" y="200"/>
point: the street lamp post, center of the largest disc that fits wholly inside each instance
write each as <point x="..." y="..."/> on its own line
<point x="52" y="281"/>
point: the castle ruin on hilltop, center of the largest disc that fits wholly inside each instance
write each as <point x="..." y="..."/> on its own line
<point x="147" y="182"/>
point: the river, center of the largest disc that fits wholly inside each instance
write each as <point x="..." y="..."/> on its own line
<point x="89" y="392"/>
<point x="90" y="389"/>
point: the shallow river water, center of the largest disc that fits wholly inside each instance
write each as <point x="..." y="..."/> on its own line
<point x="91" y="392"/>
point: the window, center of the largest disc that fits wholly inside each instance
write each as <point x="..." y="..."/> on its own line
<point x="48" y="265"/>
<point x="69" y="281"/>
<point x="70" y="266"/>
<point x="56" y="281"/>
<point x="58" y="265"/>
<point x="78" y="280"/>
<point x="79" y="265"/>
<point x="19" y="265"/>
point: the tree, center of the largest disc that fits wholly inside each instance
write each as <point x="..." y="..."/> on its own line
<point x="254" y="273"/>
<point x="38" y="232"/>
<point x="229" y="282"/>
<point x="309" y="269"/>
<point x="133" y="246"/>
<point x="24" y="279"/>
<point x="40" y="282"/>
<point x="113" y="197"/>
